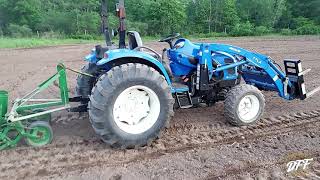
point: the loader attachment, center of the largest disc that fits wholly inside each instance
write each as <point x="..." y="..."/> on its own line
<point x="295" y="73"/>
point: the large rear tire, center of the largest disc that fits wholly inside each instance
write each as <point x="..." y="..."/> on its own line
<point x="244" y="105"/>
<point x="86" y="83"/>
<point x="130" y="105"/>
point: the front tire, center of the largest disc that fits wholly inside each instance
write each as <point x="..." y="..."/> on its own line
<point x="244" y="105"/>
<point x="130" y="105"/>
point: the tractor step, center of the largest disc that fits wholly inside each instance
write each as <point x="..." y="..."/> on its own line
<point x="180" y="88"/>
<point x="186" y="95"/>
<point x="182" y="92"/>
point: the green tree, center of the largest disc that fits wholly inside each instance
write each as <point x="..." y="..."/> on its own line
<point x="137" y="10"/>
<point x="199" y="17"/>
<point x="308" y="9"/>
<point x="21" y="12"/>
<point x="165" y="17"/>
<point x="151" y="17"/>
<point x="206" y="16"/>
<point x="279" y="9"/>
<point x="230" y="15"/>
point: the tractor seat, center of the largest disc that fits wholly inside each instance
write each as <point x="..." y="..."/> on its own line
<point x="135" y="43"/>
<point x="134" y="39"/>
<point x="100" y="51"/>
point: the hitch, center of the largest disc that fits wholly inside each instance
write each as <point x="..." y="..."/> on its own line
<point x="295" y="73"/>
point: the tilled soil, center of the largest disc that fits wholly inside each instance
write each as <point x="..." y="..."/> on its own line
<point x="198" y="144"/>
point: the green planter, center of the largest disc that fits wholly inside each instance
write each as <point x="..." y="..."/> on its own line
<point x="3" y="103"/>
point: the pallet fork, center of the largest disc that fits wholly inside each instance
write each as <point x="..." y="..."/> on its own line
<point x="295" y="73"/>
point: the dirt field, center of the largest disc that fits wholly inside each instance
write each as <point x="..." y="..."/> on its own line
<point x="199" y="144"/>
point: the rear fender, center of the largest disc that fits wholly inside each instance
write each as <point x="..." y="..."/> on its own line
<point x="120" y="54"/>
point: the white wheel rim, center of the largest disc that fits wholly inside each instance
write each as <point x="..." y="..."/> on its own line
<point x="136" y="109"/>
<point x="248" y="108"/>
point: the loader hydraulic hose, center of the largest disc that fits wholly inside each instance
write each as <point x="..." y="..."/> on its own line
<point x="280" y="73"/>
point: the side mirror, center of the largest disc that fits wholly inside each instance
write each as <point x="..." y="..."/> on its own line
<point x="114" y="32"/>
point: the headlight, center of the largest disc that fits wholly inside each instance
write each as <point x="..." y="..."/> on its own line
<point x="179" y="45"/>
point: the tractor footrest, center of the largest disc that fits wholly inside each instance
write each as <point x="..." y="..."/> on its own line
<point x="178" y="87"/>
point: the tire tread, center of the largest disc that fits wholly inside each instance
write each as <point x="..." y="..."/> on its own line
<point x="103" y="91"/>
<point x="231" y="103"/>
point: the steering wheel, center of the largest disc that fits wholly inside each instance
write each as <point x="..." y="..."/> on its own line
<point x="170" y="37"/>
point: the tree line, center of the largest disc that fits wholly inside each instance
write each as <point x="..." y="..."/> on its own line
<point x="81" y="18"/>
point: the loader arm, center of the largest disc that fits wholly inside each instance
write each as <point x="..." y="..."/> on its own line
<point x="260" y="70"/>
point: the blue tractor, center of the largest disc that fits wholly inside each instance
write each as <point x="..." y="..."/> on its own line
<point x="135" y="89"/>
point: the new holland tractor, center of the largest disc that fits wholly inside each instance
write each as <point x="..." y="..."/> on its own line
<point x="131" y="91"/>
<point x="134" y="89"/>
